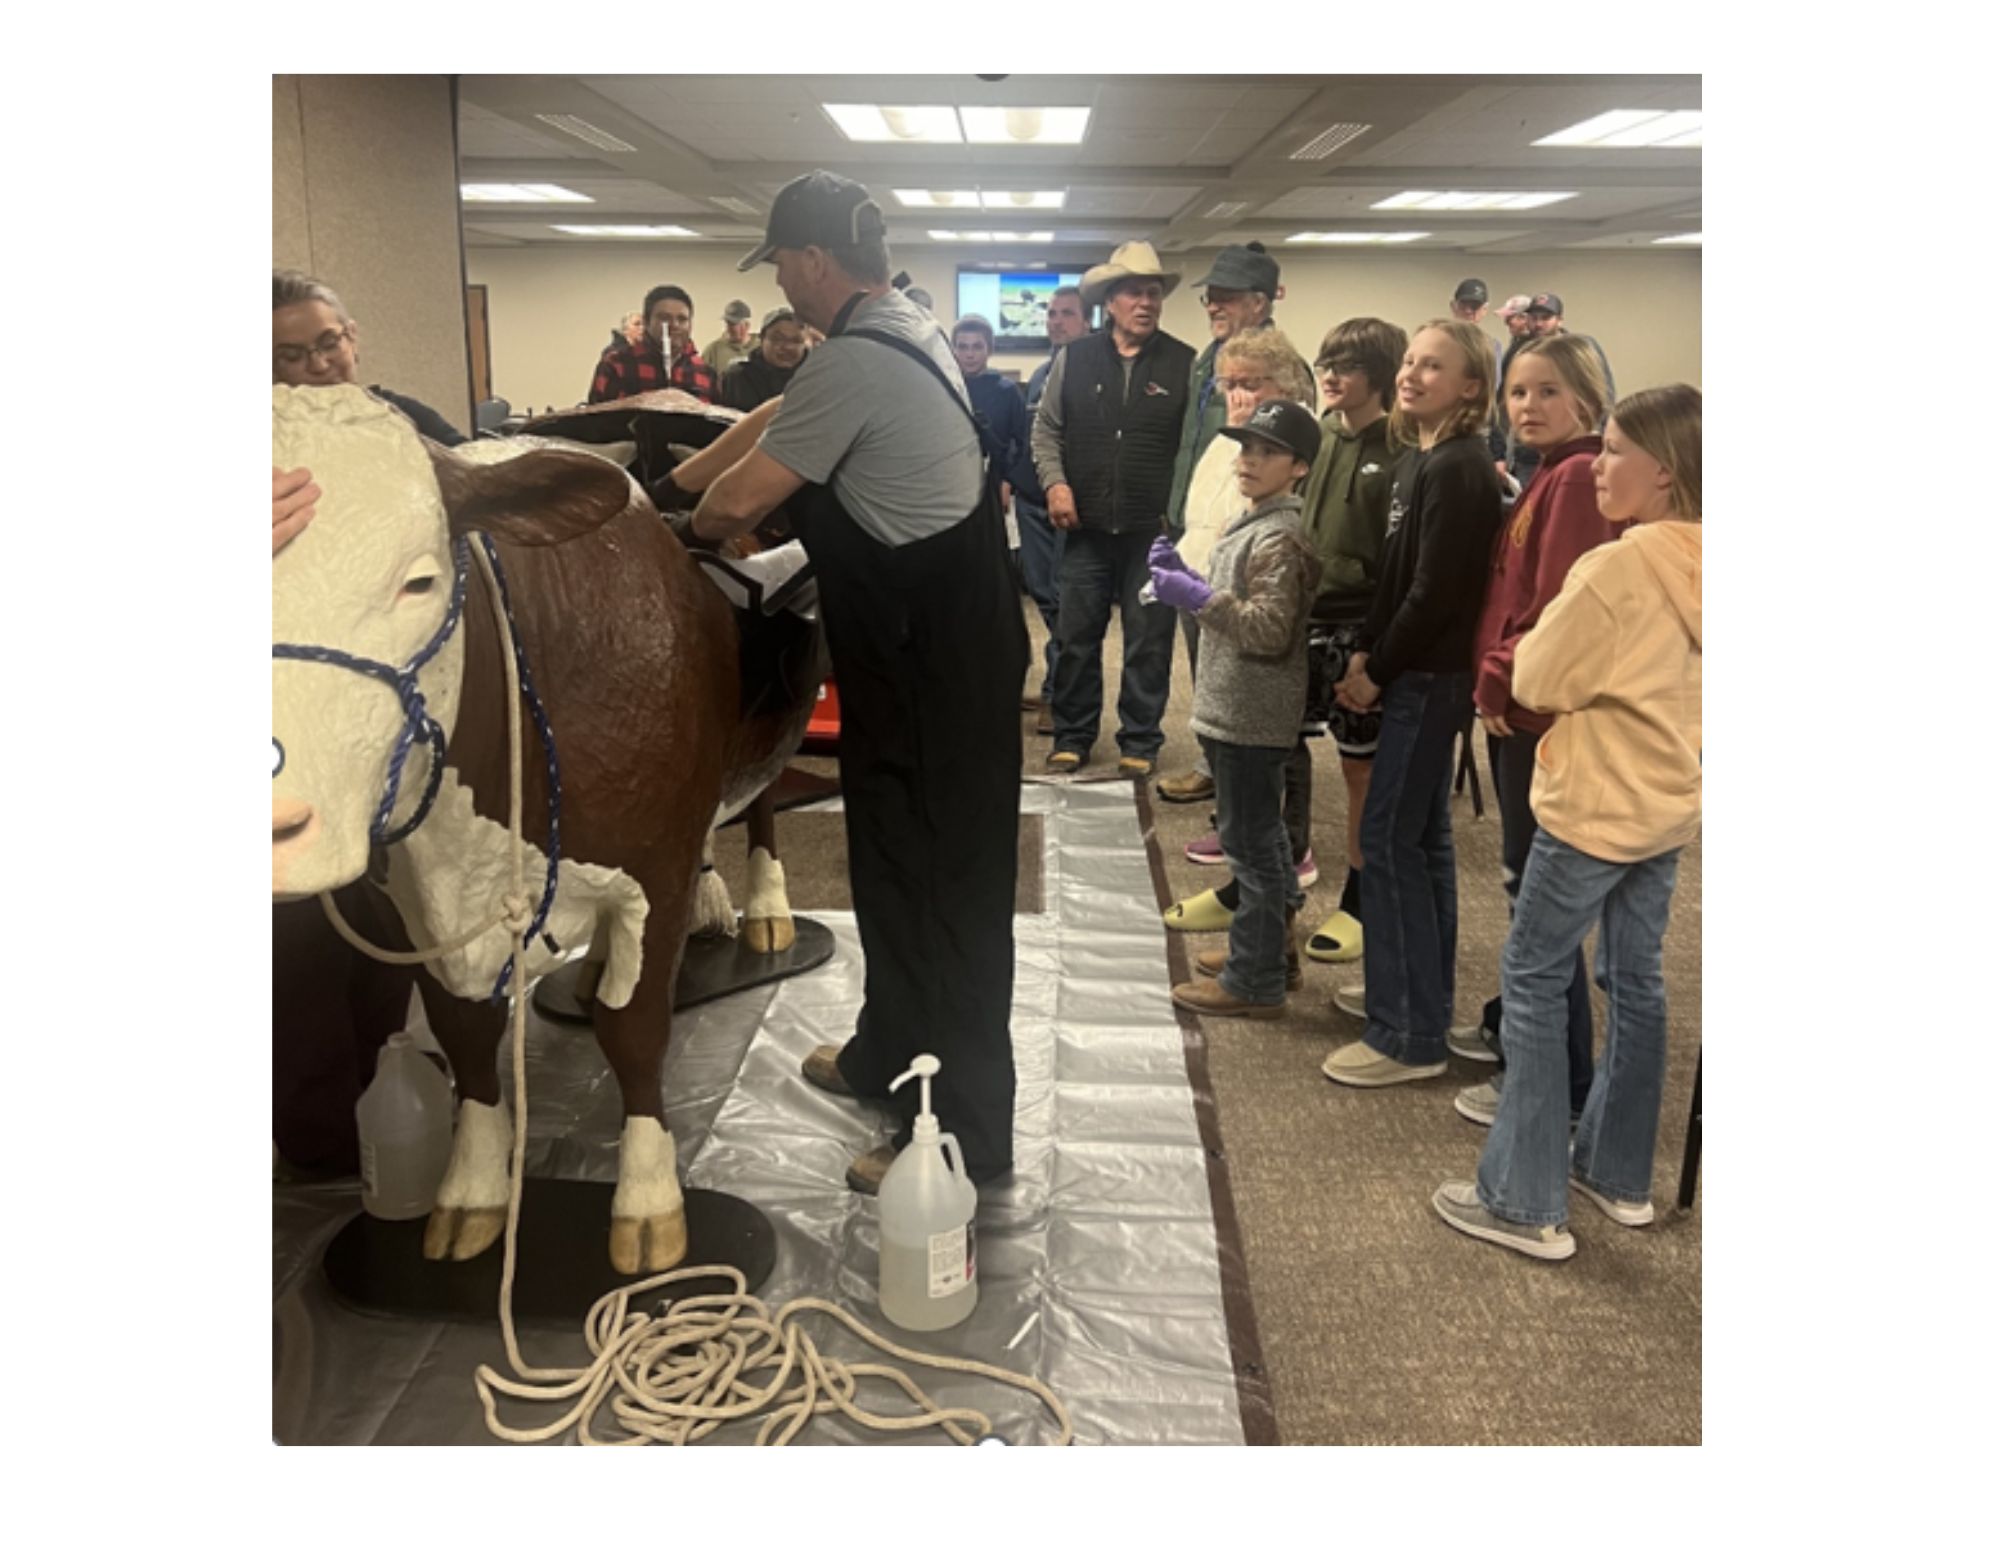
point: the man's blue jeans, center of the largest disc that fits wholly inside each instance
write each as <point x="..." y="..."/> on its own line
<point x="1523" y="1172"/>
<point x="1041" y="566"/>
<point x="1409" y="876"/>
<point x="1249" y="799"/>
<point x="1098" y="570"/>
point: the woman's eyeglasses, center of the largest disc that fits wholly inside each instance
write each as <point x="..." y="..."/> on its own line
<point x="291" y="355"/>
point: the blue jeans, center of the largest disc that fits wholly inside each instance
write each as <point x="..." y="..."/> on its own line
<point x="1409" y="875"/>
<point x="1249" y="799"/>
<point x="1041" y="563"/>
<point x="1523" y="1173"/>
<point x="1098" y="570"/>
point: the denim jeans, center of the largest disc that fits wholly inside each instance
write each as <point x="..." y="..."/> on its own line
<point x="1249" y="790"/>
<point x="1512" y="760"/>
<point x="1409" y="875"/>
<point x="1041" y="563"/>
<point x="1098" y="571"/>
<point x="1522" y="1174"/>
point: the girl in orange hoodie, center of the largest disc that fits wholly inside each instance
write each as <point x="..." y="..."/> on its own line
<point x="1616" y="658"/>
<point x="1555" y="399"/>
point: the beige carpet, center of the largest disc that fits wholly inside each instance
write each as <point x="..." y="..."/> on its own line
<point x="1379" y="1324"/>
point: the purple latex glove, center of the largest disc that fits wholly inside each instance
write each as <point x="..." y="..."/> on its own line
<point x="1164" y="555"/>
<point x="1181" y="590"/>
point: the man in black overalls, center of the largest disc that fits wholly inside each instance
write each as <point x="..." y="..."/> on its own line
<point x="876" y="436"/>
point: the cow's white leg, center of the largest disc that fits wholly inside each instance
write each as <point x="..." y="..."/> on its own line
<point x="712" y="913"/>
<point x="648" y="1216"/>
<point x="767" y="913"/>
<point x="471" y="1207"/>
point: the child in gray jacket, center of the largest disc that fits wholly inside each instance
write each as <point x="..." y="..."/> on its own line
<point x="1249" y="701"/>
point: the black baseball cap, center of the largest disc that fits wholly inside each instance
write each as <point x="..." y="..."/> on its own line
<point x="820" y="209"/>
<point x="1284" y="424"/>
<point x="1470" y="292"/>
<point x="1548" y="301"/>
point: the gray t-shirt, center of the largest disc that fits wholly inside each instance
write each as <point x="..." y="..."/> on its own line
<point x="903" y="461"/>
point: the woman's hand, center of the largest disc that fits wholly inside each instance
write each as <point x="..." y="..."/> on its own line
<point x="294" y="502"/>
<point x="1242" y="402"/>
<point x="1496" y="725"/>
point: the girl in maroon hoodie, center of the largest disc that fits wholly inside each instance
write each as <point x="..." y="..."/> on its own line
<point x="1555" y="397"/>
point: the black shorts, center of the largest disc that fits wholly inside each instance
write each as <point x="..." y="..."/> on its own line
<point x="1328" y="649"/>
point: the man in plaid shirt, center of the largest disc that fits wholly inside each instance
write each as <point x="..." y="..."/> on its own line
<point x="625" y="369"/>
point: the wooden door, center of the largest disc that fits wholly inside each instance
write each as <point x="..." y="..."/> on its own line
<point x="475" y="331"/>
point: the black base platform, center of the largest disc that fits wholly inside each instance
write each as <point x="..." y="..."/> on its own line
<point x="564" y="1263"/>
<point x="710" y="969"/>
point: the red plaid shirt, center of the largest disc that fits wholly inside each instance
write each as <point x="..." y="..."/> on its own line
<point x="623" y="371"/>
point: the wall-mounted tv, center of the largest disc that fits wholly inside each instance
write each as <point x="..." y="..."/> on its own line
<point x="1014" y="300"/>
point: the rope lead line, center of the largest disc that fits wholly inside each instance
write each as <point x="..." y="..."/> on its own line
<point x="678" y="1376"/>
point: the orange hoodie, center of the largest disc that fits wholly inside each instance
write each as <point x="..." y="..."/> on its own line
<point x="1617" y="658"/>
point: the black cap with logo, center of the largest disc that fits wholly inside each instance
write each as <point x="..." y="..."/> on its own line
<point x="1283" y="424"/>
<point x="819" y="209"/>
<point x="1470" y="292"/>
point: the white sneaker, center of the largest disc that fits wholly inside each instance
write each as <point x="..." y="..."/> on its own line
<point x="1631" y="1214"/>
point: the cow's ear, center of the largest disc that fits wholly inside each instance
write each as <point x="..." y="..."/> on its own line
<point x="538" y="498"/>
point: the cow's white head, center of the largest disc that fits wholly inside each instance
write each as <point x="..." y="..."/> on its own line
<point x="372" y="578"/>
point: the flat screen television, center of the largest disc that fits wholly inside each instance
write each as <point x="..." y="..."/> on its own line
<point x="1014" y="300"/>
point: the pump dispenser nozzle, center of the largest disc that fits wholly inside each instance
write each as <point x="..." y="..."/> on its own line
<point x="925" y="1067"/>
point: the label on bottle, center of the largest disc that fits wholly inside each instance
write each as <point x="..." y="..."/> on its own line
<point x="954" y="1261"/>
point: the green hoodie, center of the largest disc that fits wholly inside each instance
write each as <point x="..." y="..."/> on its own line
<point x="1346" y="517"/>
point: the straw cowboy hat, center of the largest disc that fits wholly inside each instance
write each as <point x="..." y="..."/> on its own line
<point x="1134" y="260"/>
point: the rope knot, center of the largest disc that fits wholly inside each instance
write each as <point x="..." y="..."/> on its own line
<point x="517" y="915"/>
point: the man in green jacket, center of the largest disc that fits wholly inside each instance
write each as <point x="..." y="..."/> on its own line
<point x="1238" y="292"/>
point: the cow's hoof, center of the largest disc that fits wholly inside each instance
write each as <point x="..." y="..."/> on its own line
<point x="770" y="935"/>
<point x="458" y="1234"/>
<point x="658" y="1243"/>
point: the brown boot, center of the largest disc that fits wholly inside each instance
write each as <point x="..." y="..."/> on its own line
<point x="1211" y="962"/>
<point x="1211" y="997"/>
<point x="1189" y="788"/>
<point x="1045" y="720"/>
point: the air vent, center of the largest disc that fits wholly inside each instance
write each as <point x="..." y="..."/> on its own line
<point x="588" y="132"/>
<point x="1227" y="211"/>
<point x="1320" y="146"/>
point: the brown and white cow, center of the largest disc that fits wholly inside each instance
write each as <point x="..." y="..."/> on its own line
<point x="635" y="657"/>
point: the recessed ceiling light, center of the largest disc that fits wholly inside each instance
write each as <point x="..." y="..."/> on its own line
<point x="623" y="230"/>
<point x="1024" y="125"/>
<point x="1476" y="201"/>
<point x="1633" y="128"/>
<point x="736" y="206"/>
<point x="1358" y="238"/>
<point x="869" y="124"/>
<point x="991" y="235"/>
<point x="1691" y="239"/>
<point x="519" y="193"/>
<point x="1324" y="144"/>
<point x="925" y="198"/>
<point x="586" y="131"/>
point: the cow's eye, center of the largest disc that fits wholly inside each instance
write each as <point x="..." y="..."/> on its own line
<point x="277" y="757"/>
<point x="420" y="584"/>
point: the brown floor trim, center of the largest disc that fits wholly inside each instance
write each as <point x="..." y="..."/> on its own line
<point x="1253" y="1381"/>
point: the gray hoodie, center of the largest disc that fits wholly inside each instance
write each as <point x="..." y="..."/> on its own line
<point x="1251" y="689"/>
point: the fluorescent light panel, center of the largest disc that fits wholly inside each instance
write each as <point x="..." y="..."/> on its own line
<point x="1631" y="129"/>
<point x="1227" y="211"/>
<point x="520" y="193"/>
<point x="1472" y="201"/>
<point x="1691" y="239"/>
<point x="875" y="124"/>
<point x="1325" y="143"/>
<point x="1357" y="238"/>
<point x="991" y="235"/>
<point x="588" y="132"/>
<point x="623" y="230"/>
<point x="931" y="198"/>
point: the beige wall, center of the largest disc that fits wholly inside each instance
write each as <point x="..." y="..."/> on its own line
<point x="552" y="311"/>
<point x="364" y="196"/>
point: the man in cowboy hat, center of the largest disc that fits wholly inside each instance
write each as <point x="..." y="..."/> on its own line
<point x="1105" y="436"/>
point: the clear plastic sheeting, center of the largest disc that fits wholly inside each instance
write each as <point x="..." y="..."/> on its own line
<point x="1099" y="1266"/>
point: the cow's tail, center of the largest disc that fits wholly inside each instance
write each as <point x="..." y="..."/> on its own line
<point x="714" y="914"/>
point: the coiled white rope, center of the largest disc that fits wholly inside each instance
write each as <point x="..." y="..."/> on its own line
<point x="678" y="1376"/>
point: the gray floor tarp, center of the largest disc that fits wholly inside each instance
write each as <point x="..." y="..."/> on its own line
<point x="1099" y="1264"/>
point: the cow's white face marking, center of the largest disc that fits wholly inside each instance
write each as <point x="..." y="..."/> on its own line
<point x="371" y="576"/>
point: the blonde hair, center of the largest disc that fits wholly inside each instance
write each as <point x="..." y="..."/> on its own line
<point x="1665" y="423"/>
<point x="1469" y="417"/>
<point x="1575" y="365"/>
<point x="1270" y="353"/>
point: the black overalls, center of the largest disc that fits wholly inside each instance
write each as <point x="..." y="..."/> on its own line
<point x="929" y="654"/>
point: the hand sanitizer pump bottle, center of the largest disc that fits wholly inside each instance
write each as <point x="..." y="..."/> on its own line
<point x="405" y="1122"/>
<point x="928" y="1260"/>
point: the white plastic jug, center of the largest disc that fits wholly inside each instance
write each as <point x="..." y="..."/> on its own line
<point x="405" y="1121"/>
<point x="929" y="1258"/>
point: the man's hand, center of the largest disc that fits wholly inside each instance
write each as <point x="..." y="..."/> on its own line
<point x="1356" y="692"/>
<point x="1062" y="508"/>
<point x="294" y="502"/>
<point x="1006" y="497"/>
<point x="1496" y="725"/>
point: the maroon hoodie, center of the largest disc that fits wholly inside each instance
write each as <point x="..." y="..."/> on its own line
<point x="1555" y="523"/>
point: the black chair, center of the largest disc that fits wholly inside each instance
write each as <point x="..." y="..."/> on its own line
<point x="1691" y="1153"/>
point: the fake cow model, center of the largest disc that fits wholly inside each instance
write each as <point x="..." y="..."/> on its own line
<point x="386" y="650"/>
